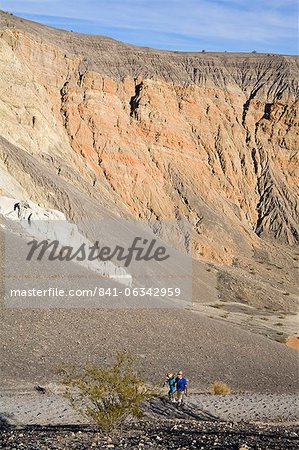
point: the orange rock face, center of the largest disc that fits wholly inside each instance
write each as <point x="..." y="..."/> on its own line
<point x="211" y="138"/>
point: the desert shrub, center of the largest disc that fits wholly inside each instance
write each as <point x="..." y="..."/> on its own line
<point x="219" y="388"/>
<point x="108" y="397"/>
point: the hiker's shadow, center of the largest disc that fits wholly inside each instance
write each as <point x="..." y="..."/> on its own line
<point x="161" y="406"/>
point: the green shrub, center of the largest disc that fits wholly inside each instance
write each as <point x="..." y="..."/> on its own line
<point x="108" y="396"/>
<point x="219" y="388"/>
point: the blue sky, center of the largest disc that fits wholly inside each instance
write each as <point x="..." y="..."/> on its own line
<point x="213" y="25"/>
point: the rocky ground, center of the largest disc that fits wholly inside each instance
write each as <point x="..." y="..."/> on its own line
<point x="43" y="421"/>
<point x="166" y="434"/>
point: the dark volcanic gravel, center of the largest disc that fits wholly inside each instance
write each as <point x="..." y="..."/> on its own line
<point x="166" y="434"/>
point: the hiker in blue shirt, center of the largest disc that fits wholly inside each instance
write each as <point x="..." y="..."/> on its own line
<point x="170" y="381"/>
<point x="181" y="385"/>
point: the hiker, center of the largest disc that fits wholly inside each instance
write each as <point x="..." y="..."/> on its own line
<point x="170" y="381"/>
<point x="181" y="385"/>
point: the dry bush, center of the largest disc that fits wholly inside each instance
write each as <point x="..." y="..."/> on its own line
<point x="108" y="396"/>
<point x="219" y="388"/>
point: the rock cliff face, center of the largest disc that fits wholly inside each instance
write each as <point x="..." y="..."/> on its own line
<point x="154" y="135"/>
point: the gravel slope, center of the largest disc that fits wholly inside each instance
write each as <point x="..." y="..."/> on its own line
<point x="35" y="343"/>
